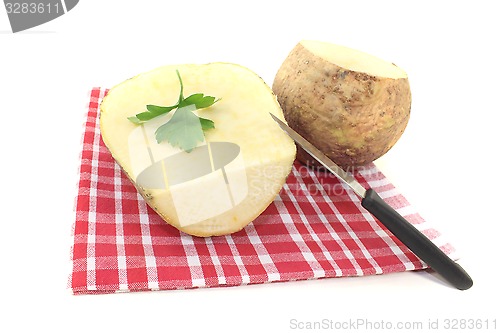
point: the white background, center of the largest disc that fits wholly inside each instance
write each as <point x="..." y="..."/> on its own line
<point x="444" y="163"/>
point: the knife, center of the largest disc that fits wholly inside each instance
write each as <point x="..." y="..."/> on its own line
<point x="417" y="242"/>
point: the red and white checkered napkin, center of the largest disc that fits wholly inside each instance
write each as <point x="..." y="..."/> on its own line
<point x="315" y="228"/>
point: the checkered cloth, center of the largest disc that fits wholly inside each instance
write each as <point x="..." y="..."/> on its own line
<point x="315" y="228"/>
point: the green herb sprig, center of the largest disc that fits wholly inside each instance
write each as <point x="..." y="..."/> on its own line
<point x="185" y="129"/>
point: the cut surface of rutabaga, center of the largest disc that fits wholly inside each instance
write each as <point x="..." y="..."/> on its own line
<point x="231" y="176"/>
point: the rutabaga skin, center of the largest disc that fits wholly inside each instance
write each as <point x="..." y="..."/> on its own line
<point x="350" y="105"/>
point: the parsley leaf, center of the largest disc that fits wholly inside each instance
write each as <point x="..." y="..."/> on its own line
<point x="201" y="101"/>
<point x="206" y="124"/>
<point x="153" y="111"/>
<point x="185" y="129"/>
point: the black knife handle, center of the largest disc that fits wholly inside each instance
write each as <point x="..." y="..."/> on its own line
<point x="417" y="242"/>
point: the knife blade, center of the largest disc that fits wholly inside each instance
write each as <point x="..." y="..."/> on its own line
<point x="417" y="242"/>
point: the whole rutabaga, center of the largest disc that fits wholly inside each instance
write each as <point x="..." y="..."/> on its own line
<point x="351" y="105"/>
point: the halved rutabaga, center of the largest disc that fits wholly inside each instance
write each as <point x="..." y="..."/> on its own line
<point x="227" y="180"/>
